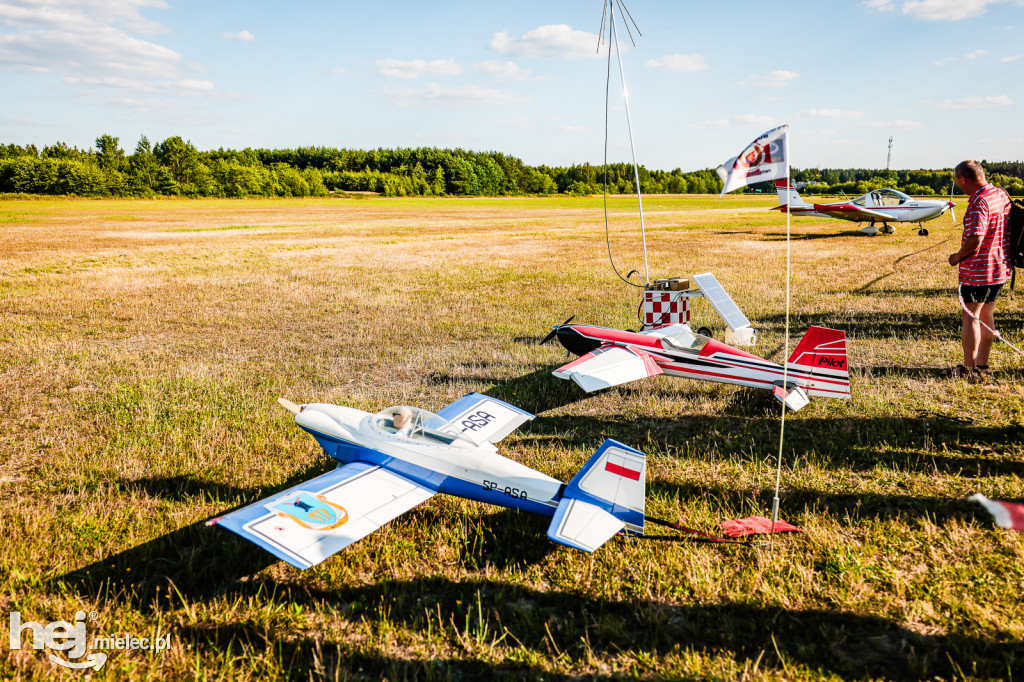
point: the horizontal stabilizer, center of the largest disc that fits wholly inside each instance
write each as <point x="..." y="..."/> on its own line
<point x="794" y="398"/>
<point x="582" y="525"/>
<point x="482" y="419"/>
<point x="609" y="366"/>
<point x="313" y="520"/>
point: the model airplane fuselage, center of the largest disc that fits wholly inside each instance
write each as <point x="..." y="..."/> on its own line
<point x="391" y="461"/>
<point x="608" y="357"/>
<point x="877" y="206"/>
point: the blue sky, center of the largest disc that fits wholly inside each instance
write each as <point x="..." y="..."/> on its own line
<point x="944" y="78"/>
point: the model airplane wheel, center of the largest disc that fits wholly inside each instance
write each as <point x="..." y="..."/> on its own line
<point x="923" y="232"/>
<point x="889" y="229"/>
<point x="705" y="331"/>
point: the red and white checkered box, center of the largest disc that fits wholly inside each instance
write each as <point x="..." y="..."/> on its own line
<point x="666" y="307"/>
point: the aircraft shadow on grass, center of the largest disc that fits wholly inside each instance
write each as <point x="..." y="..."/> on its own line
<point x="805" y="236"/>
<point x="477" y="613"/>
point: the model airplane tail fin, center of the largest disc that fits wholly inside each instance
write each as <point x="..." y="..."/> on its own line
<point x="605" y="497"/>
<point x="819" y="363"/>
<point x="785" y="190"/>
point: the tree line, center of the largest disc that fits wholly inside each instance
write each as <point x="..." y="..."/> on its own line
<point x="855" y="181"/>
<point x="174" y="167"/>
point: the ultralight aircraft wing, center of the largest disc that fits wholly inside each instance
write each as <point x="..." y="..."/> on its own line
<point x="608" y="366"/>
<point x="313" y="520"/>
<point x="852" y="212"/>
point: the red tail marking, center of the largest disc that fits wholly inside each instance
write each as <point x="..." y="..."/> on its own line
<point x="622" y="471"/>
<point x="821" y="348"/>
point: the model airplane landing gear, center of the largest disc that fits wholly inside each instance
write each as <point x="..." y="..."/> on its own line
<point x="888" y="229"/>
<point x="870" y="230"/>
<point x="705" y="331"/>
<point x="923" y="232"/>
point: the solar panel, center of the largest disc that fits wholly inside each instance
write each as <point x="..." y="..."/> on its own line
<point x="721" y="301"/>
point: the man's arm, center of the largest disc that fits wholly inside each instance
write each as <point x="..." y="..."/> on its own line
<point x="969" y="246"/>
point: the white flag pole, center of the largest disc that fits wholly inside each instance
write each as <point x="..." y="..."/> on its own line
<point x="785" y="366"/>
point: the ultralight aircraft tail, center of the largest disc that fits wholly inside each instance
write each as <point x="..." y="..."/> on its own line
<point x="785" y="190"/>
<point x="605" y="497"/>
<point x="819" y="364"/>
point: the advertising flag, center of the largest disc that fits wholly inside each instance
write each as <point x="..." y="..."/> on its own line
<point x="763" y="159"/>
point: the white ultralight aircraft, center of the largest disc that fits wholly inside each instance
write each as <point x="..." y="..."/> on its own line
<point x="391" y="461"/>
<point x="877" y="206"/>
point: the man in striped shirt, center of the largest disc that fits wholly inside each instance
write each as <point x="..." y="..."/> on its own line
<point x="984" y="262"/>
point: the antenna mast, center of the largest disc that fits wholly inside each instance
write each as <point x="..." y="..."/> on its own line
<point x="888" y="159"/>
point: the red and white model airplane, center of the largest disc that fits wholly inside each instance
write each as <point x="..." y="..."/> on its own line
<point x="877" y="206"/>
<point x="609" y="357"/>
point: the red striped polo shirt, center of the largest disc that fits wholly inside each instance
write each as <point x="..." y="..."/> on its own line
<point x="987" y="217"/>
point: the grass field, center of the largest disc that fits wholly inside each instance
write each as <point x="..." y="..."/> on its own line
<point x="144" y="344"/>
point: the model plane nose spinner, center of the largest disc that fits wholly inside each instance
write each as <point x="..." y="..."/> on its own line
<point x="554" y="330"/>
<point x="289" y="405"/>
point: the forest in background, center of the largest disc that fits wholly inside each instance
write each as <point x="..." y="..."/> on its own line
<point x="174" y="167"/>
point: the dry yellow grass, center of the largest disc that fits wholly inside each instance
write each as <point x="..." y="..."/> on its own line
<point x="144" y="344"/>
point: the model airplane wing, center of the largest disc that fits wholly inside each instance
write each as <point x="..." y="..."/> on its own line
<point x="313" y="520"/>
<point x="851" y="212"/>
<point x="481" y="418"/>
<point x="609" y="365"/>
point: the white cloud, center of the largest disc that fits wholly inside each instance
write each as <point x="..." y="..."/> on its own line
<point x="774" y="79"/>
<point x="1001" y="140"/>
<point x="506" y="71"/>
<point x="241" y="36"/>
<point x="457" y="96"/>
<point x="738" y="120"/>
<point x="832" y="114"/>
<point x="971" y="103"/>
<point x="947" y="10"/>
<point x="555" y="41"/>
<point x="414" y="68"/>
<point x="975" y="54"/>
<point x="678" y="62"/>
<point x="339" y="71"/>
<point x="94" y="44"/>
<point x="898" y="124"/>
<point x="882" y="5"/>
<point x="1011" y="58"/>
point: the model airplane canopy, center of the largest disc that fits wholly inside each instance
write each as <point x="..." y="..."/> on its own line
<point x="393" y="460"/>
<point x="877" y="206"/>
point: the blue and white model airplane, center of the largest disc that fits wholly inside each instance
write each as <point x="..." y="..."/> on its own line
<point x="391" y="461"/>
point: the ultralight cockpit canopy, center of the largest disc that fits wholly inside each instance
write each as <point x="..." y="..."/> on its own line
<point x="883" y="197"/>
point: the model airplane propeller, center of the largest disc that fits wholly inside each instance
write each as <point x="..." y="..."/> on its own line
<point x="877" y="206"/>
<point x="609" y="357"/>
<point x="391" y="461"/>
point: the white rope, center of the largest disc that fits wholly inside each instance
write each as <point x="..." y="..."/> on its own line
<point x="629" y="126"/>
<point x="995" y="333"/>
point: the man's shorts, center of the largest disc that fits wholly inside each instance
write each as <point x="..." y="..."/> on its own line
<point x="982" y="293"/>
